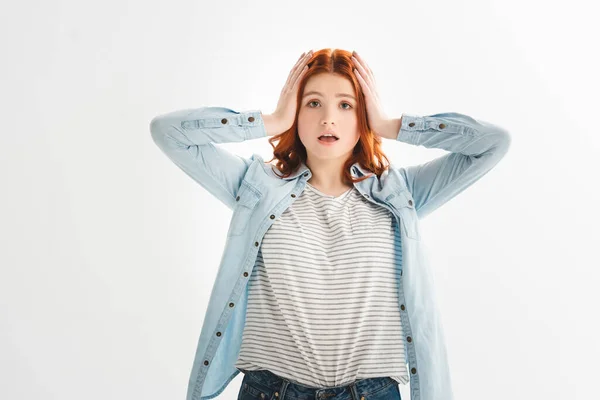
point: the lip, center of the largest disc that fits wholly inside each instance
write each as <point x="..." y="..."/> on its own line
<point x="330" y="132"/>
<point x="328" y="143"/>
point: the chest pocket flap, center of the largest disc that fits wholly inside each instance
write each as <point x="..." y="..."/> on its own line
<point x="403" y="203"/>
<point x="246" y="200"/>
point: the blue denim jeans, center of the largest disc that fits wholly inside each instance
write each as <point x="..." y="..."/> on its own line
<point x="265" y="385"/>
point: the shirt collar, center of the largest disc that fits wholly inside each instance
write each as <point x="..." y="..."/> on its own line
<point x="355" y="170"/>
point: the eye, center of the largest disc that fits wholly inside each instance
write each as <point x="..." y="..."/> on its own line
<point x="316" y="101"/>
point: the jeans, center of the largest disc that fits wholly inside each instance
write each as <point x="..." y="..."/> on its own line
<point x="265" y="385"/>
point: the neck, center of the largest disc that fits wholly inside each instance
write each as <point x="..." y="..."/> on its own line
<point x="327" y="174"/>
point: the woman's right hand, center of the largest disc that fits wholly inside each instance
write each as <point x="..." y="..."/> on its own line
<point x="283" y="117"/>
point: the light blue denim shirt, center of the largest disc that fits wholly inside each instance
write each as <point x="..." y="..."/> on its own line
<point x="257" y="197"/>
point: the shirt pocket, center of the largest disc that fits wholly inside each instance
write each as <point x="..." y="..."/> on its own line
<point x="402" y="202"/>
<point x="246" y="200"/>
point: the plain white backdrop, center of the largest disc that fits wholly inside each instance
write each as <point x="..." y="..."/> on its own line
<point x="109" y="251"/>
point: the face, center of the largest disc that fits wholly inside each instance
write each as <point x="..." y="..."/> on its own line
<point x="326" y="111"/>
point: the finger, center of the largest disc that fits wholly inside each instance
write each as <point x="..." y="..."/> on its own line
<point x="298" y="62"/>
<point x="359" y="66"/>
<point x="365" y="86"/>
<point x="370" y="91"/>
<point x="364" y="69"/>
<point x="302" y="72"/>
<point x="300" y="68"/>
<point x="363" y="63"/>
<point x="364" y="72"/>
<point x="364" y="75"/>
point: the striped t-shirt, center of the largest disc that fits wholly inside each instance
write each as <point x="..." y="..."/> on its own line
<point x="323" y="296"/>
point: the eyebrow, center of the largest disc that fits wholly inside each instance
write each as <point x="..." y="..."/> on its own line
<point x="321" y="94"/>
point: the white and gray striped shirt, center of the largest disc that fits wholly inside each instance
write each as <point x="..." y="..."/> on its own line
<point x="323" y="297"/>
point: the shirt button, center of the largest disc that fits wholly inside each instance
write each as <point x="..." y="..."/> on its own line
<point x="410" y="202"/>
<point x="251" y="119"/>
<point x="218" y="333"/>
<point x="272" y="216"/>
<point x="255" y="244"/>
<point x="293" y="195"/>
<point x="205" y="362"/>
<point x="230" y="304"/>
<point x="237" y="198"/>
<point x="413" y="370"/>
<point x="224" y="121"/>
<point x="408" y="339"/>
<point x="411" y="124"/>
<point x="442" y="126"/>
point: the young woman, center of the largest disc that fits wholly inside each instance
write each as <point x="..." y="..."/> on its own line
<point x="323" y="290"/>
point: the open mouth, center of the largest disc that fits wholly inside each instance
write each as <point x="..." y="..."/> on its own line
<point x="325" y="138"/>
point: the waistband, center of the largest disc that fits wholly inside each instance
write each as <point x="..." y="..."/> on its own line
<point x="267" y="385"/>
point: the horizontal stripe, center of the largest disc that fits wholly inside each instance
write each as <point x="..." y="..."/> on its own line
<point x="323" y="295"/>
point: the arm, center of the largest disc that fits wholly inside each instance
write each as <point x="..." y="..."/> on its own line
<point x="188" y="138"/>
<point x="475" y="147"/>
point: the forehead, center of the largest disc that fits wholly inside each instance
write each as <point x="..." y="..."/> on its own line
<point x="329" y="84"/>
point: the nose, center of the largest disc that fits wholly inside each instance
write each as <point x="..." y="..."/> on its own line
<point x="327" y="120"/>
<point x="328" y="116"/>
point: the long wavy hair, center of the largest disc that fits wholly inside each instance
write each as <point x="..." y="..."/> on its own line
<point x="290" y="152"/>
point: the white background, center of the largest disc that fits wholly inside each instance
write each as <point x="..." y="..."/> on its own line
<point x="109" y="251"/>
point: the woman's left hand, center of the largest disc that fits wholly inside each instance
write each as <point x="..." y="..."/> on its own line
<point x="375" y="116"/>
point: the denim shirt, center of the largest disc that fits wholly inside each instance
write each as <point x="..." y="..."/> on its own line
<point x="257" y="197"/>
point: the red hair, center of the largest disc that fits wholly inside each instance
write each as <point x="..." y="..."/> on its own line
<point x="290" y="151"/>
